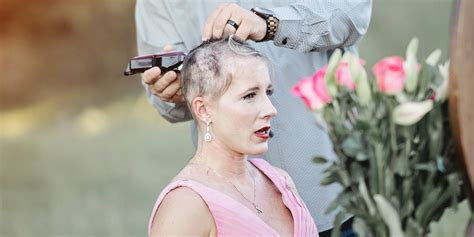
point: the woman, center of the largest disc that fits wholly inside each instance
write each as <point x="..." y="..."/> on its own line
<point x="221" y="192"/>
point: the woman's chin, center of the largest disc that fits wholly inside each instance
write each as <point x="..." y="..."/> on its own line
<point x="258" y="150"/>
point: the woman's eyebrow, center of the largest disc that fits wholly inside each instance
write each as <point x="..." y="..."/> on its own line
<point x="256" y="88"/>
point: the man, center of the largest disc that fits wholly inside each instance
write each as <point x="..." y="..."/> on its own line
<point x="297" y="36"/>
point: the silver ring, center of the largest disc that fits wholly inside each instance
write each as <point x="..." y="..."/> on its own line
<point x="233" y="24"/>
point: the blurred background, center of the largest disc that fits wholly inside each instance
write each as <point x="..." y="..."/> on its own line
<point x="82" y="153"/>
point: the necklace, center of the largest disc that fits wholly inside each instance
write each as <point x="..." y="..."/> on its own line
<point x="259" y="210"/>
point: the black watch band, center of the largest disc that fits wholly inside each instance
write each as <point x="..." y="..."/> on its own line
<point x="270" y="20"/>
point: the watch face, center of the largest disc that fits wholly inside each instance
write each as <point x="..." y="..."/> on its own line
<point x="263" y="11"/>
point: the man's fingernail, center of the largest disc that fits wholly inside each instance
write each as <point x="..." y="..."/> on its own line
<point x="204" y="39"/>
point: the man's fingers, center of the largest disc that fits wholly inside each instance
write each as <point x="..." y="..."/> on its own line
<point x="207" y="31"/>
<point x="244" y="30"/>
<point x="165" y="81"/>
<point x="170" y="91"/>
<point x="220" y="22"/>
<point x="151" y="75"/>
<point x="231" y="27"/>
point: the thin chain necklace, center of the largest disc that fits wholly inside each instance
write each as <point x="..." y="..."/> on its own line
<point x="259" y="210"/>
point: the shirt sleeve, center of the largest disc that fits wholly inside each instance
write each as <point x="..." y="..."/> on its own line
<point x="322" y="25"/>
<point x="154" y="31"/>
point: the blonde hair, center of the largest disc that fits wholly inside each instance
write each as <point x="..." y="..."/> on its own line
<point x="207" y="69"/>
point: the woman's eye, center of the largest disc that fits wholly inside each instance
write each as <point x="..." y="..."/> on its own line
<point x="250" y="95"/>
<point x="270" y="92"/>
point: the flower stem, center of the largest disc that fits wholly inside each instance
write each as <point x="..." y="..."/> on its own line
<point x="380" y="168"/>
<point x="335" y="105"/>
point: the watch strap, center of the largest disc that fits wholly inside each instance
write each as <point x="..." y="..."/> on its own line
<point x="272" y="25"/>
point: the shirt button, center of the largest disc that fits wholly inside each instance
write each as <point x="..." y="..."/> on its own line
<point x="285" y="40"/>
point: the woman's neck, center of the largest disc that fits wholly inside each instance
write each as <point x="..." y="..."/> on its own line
<point x="227" y="163"/>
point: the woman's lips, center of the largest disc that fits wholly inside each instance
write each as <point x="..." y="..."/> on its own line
<point x="263" y="133"/>
<point x="264" y="136"/>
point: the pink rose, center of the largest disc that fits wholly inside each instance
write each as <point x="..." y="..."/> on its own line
<point x="390" y="75"/>
<point x="343" y="75"/>
<point x="313" y="90"/>
<point x="320" y="85"/>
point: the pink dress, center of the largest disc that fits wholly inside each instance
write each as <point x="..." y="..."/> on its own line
<point x="234" y="219"/>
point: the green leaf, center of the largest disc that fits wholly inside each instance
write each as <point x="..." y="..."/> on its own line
<point x="413" y="228"/>
<point x="336" y="231"/>
<point x="357" y="172"/>
<point x="341" y="200"/>
<point x="320" y="160"/>
<point x="400" y="166"/>
<point x="428" y="74"/>
<point x="364" y="192"/>
<point x="389" y="215"/>
<point x="362" y="124"/>
<point x="407" y="208"/>
<point x="344" y="178"/>
<point x="422" y="211"/>
<point x="328" y="179"/>
<point x="426" y="166"/>
<point x="360" y="227"/>
<point x="352" y="145"/>
<point x="389" y="182"/>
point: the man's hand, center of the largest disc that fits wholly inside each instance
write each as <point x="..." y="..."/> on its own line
<point x="167" y="86"/>
<point x="250" y="26"/>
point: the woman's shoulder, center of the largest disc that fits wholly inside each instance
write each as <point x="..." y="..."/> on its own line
<point x="182" y="211"/>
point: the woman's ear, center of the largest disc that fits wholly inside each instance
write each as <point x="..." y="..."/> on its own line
<point x="200" y="109"/>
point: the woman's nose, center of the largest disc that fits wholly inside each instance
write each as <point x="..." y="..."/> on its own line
<point x="269" y="110"/>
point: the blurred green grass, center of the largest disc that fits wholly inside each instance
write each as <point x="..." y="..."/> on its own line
<point x="86" y="168"/>
<point x="66" y="179"/>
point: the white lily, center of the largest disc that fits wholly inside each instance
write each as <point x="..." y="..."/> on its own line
<point x="410" y="113"/>
<point x="442" y="90"/>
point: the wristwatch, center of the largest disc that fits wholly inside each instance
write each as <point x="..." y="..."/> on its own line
<point x="270" y="19"/>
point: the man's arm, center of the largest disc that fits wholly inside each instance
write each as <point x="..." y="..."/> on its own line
<point x="155" y="30"/>
<point x="321" y="25"/>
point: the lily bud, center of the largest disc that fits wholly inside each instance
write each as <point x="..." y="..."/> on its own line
<point x="411" y="66"/>
<point x="442" y="90"/>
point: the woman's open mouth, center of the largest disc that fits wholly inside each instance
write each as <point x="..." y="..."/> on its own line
<point x="263" y="133"/>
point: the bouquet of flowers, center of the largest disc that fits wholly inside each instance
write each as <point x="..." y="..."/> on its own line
<point x="392" y="136"/>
